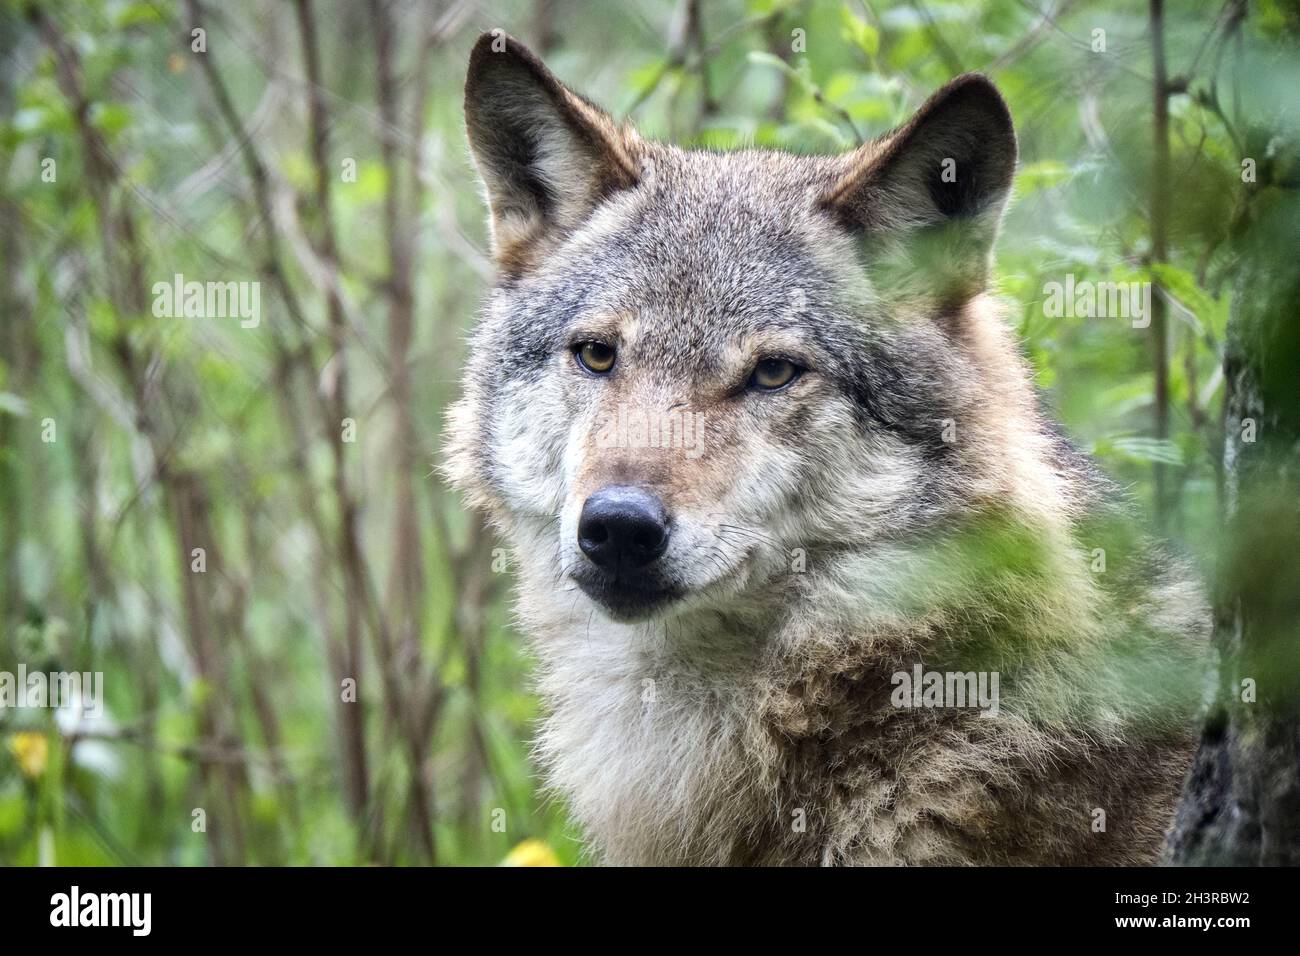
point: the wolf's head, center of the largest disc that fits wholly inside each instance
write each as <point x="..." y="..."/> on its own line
<point x="698" y="371"/>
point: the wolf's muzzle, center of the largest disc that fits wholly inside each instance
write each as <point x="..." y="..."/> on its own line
<point x="623" y="528"/>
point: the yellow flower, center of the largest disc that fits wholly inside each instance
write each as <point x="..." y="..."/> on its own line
<point x="31" y="750"/>
<point x="531" y="853"/>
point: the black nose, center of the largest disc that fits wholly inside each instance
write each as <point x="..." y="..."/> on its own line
<point x="622" y="527"/>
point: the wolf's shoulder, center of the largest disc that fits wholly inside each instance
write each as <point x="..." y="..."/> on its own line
<point x="1145" y="573"/>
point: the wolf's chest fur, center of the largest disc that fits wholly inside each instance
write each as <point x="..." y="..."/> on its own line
<point x="802" y="759"/>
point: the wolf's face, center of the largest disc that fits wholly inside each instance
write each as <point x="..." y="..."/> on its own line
<point x="699" y="370"/>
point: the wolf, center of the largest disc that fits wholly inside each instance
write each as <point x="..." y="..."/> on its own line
<point x="723" y="637"/>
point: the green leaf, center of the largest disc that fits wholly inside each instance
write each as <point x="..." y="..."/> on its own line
<point x="859" y="32"/>
<point x="763" y="58"/>
<point x="110" y="118"/>
<point x="1182" y="285"/>
<point x="134" y="14"/>
<point x="1041" y="175"/>
<point x="1139" y="448"/>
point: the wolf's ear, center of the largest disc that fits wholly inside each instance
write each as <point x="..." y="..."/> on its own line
<point x="547" y="156"/>
<point x="929" y="196"/>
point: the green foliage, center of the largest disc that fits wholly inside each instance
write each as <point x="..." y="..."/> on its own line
<point x="177" y="433"/>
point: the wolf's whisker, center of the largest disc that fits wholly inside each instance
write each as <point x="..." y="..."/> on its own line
<point x="749" y="533"/>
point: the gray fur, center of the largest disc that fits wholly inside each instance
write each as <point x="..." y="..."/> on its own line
<point x="829" y="537"/>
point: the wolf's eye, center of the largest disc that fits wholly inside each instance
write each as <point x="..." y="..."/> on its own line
<point x="594" y="356"/>
<point x="773" y="373"/>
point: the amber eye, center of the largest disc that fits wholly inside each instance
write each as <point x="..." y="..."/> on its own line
<point x="594" y="356"/>
<point x="773" y="373"/>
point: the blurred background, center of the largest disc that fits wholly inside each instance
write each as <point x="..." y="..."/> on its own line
<point x="306" y="641"/>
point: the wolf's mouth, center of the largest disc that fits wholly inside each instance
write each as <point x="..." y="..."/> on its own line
<point x="624" y="598"/>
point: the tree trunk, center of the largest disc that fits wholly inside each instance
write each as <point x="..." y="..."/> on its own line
<point x="1241" y="805"/>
